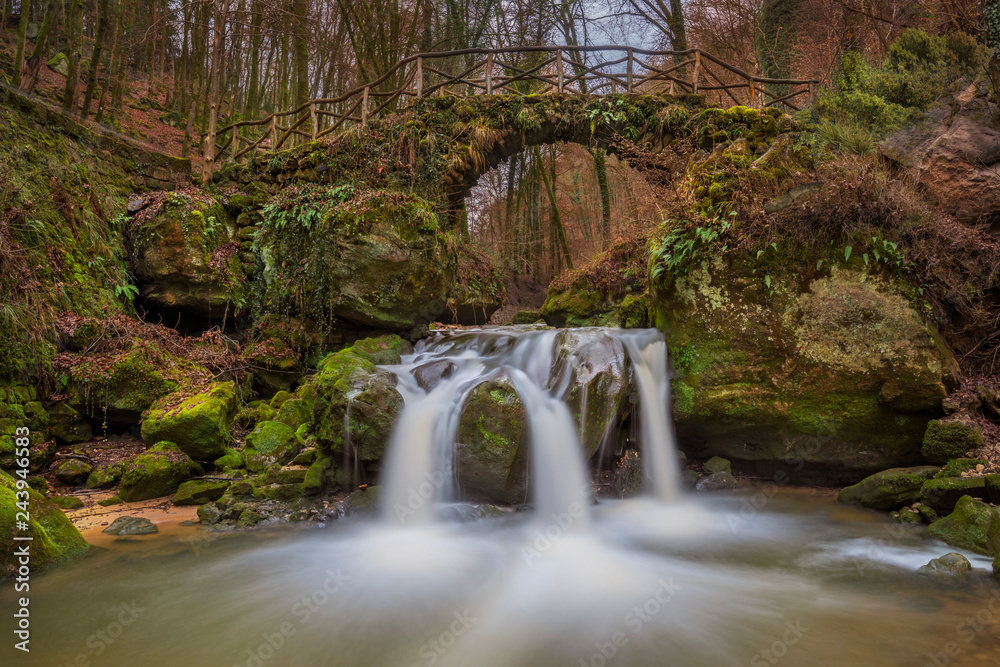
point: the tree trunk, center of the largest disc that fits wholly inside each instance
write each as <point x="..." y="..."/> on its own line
<point x="601" y="167"/>
<point x="103" y="11"/>
<point x="22" y="31"/>
<point x="218" y="58"/>
<point x="29" y="71"/>
<point x="75" y="28"/>
<point x="554" y="212"/>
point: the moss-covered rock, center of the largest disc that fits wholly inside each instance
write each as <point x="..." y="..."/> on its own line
<point x="377" y="259"/>
<point x="232" y="459"/>
<point x="104" y="476"/>
<point x="943" y="493"/>
<point x="779" y="360"/>
<point x="973" y="525"/>
<point x="948" y="565"/>
<point x="347" y="385"/>
<point x="156" y="472"/>
<point x="269" y="443"/>
<point x="295" y="412"/>
<point x="955" y="467"/>
<point x="363" y="501"/>
<point x="951" y="437"/>
<point x="185" y="258"/>
<point x="491" y="457"/>
<point x="382" y="350"/>
<point x="67" y="424"/>
<point x="889" y="489"/>
<point x="54" y="537"/>
<point x="68" y="502"/>
<point x="73" y="472"/>
<point x="200" y="491"/>
<point x="199" y="425"/>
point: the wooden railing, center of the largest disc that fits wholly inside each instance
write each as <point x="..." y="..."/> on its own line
<point x="520" y="71"/>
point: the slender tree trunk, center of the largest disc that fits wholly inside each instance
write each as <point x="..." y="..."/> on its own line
<point x="75" y="28"/>
<point x="557" y="224"/>
<point x="103" y="11"/>
<point x="601" y="167"/>
<point x="218" y="59"/>
<point x="22" y="32"/>
<point x="29" y="71"/>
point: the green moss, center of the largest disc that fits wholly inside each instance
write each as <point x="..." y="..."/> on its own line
<point x="53" y="536"/>
<point x="199" y="425"/>
<point x="973" y="525"/>
<point x="889" y="489"/>
<point x="948" y="439"/>
<point x="956" y="467"/>
<point x="157" y="472"/>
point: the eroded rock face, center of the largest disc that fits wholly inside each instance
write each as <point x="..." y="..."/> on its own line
<point x="595" y="370"/>
<point x="840" y="370"/>
<point x="377" y="260"/>
<point x="184" y="257"/>
<point x="954" y="153"/>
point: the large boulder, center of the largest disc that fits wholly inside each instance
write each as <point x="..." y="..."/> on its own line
<point x="491" y="458"/>
<point x="54" y="537"/>
<point x="838" y="369"/>
<point x="593" y="367"/>
<point x="973" y="525"/>
<point x="355" y="405"/>
<point x="156" y="472"/>
<point x="67" y="424"/>
<point x="378" y="259"/>
<point x="889" y="489"/>
<point x="185" y="258"/>
<point x="198" y="425"/>
<point x="954" y="153"/>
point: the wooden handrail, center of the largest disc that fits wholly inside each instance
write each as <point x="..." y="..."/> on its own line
<point x="335" y="112"/>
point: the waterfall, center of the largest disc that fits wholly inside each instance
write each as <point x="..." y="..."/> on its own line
<point x="648" y="352"/>
<point x="437" y="379"/>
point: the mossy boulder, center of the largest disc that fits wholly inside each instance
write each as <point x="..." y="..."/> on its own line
<point x="382" y="350"/>
<point x="185" y="259"/>
<point x="68" y="424"/>
<point x="778" y="360"/>
<point x="104" y="476"/>
<point x="595" y="369"/>
<point x="973" y="525"/>
<point x="295" y="412"/>
<point x="889" y="489"/>
<point x="955" y="467"/>
<point x="269" y="443"/>
<point x="491" y="458"/>
<point x="73" y="472"/>
<point x="355" y="405"/>
<point x="943" y="493"/>
<point x="200" y="491"/>
<point x="949" y="565"/>
<point x="198" y="425"/>
<point x="54" y="537"/>
<point x="157" y="472"/>
<point x="375" y="259"/>
<point x="363" y="501"/>
<point x="951" y="437"/>
<point x="67" y="502"/>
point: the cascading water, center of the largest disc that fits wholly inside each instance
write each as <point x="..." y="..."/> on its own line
<point x="419" y="471"/>
<point x="761" y="577"/>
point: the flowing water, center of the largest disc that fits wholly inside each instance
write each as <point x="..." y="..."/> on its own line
<point x="766" y="576"/>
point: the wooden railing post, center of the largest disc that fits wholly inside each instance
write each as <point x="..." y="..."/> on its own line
<point x="274" y="132"/>
<point x="420" y="77"/>
<point x="364" y="107"/>
<point x="559" y="70"/>
<point x="313" y="120"/>
<point x="629" y="76"/>
<point x="697" y="72"/>
<point x="489" y="73"/>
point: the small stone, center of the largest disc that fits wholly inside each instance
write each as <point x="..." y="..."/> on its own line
<point x="718" y="464"/>
<point x="209" y="513"/>
<point x="135" y="205"/>
<point x="108" y="502"/>
<point x="952" y="564"/>
<point x="717" y="481"/>
<point x="68" y="502"/>
<point x="131" y="525"/>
